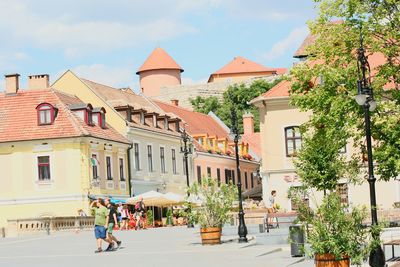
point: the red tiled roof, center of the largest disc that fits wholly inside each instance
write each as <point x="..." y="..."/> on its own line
<point x="18" y="118"/>
<point x="159" y="59"/>
<point x="254" y="141"/>
<point x="242" y="65"/>
<point x="197" y="123"/>
<point x="301" y="51"/>
<point x="279" y="90"/>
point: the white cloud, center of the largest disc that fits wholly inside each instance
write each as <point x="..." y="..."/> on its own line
<point x="84" y="34"/>
<point x="290" y="42"/>
<point x="113" y="76"/>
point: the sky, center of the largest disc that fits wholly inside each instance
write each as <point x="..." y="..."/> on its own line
<point x="107" y="41"/>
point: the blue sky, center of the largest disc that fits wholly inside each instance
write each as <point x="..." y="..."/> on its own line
<point x="107" y="41"/>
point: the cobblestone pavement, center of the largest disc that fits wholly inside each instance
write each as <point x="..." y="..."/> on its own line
<point x="178" y="246"/>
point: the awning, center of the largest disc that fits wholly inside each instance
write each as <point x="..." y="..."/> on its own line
<point x="255" y="192"/>
<point x="112" y="199"/>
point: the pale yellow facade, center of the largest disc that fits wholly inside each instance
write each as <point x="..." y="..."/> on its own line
<point x="23" y="195"/>
<point x="142" y="179"/>
<point x="277" y="169"/>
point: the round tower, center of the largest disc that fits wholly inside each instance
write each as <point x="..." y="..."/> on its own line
<point x="159" y="69"/>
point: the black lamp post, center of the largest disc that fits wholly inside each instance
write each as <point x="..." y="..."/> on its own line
<point x="185" y="149"/>
<point x="365" y="98"/>
<point x="242" y="231"/>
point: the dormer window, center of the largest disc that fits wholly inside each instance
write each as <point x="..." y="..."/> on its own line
<point x="46" y="114"/>
<point x="99" y="117"/>
<point x="83" y="111"/>
<point x="142" y="117"/>
<point x="166" y="126"/>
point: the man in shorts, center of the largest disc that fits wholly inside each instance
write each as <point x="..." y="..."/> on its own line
<point x="100" y="212"/>
<point x="112" y="221"/>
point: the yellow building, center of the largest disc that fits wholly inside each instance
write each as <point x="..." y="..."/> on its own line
<point x="156" y="161"/>
<point x="279" y="127"/>
<point x="55" y="152"/>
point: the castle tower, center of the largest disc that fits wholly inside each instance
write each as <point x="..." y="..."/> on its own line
<point x="159" y="69"/>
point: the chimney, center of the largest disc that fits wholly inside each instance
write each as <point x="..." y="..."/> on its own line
<point x="175" y="102"/>
<point x="40" y="81"/>
<point x="248" y="123"/>
<point x="12" y="83"/>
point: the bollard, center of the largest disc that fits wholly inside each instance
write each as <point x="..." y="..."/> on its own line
<point x="262" y="227"/>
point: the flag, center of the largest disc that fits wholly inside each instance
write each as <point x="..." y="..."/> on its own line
<point x="94" y="161"/>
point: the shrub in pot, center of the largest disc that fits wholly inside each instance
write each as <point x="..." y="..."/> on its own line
<point x="215" y="206"/>
<point x="336" y="236"/>
<point x="150" y="218"/>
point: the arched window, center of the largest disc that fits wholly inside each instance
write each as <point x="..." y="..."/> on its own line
<point x="46" y="114"/>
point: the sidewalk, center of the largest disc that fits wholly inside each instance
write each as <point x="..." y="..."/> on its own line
<point x="177" y="246"/>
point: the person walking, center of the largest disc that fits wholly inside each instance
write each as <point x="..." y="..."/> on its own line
<point x="140" y="209"/>
<point x="124" y="217"/>
<point x="100" y="212"/>
<point x="112" y="221"/>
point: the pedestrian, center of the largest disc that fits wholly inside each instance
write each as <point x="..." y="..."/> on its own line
<point x="81" y="213"/>
<point x="140" y="213"/>
<point x="112" y="221"/>
<point x="124" y="217"/>
<point x="119" y="211"/>
<point x="271" y="206"/>
<point x="100" y="212"/>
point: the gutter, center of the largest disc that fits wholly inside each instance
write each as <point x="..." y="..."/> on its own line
<point x="128" y="151"/>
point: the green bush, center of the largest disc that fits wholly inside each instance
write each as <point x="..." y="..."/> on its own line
<point x="169" y="217"/>
<point x="216" y="202"/>
<point x="150" y="217"/>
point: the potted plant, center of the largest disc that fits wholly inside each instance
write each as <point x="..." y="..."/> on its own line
<point x="215" y="207"/>
<point x="169" y="220"/>
<point x="336" y="236"/>
<point x="150" y="218"/>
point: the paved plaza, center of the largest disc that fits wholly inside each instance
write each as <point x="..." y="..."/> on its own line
<point x="177" y="246"/>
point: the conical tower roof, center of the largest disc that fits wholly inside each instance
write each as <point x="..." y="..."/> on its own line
<point x="159" y="60"/>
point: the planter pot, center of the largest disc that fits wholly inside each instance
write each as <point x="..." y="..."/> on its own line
<point x="329" y="260"/>
<point x="210" y="236"/>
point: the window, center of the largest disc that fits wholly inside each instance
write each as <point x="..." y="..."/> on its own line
<point x="137" y="159"/>
<point x="245" y="180"/>
<point x="252" y="179"/>
<point x="95" y="163"/>
<point x="209" y="171"/>
<point x="199" y="174"/>
<point x="166" y="126"/>
<point x="227" y="176"/>
<point x="89" y="117"/>
<point x="292" y="140"/>
<point x="44" y="168"/>
<point x="108" y="165"/>
<point x="343" y="191"/>
<point x="150" y="158"/>
<point x="219" y="176"/>
<point x="121" y="170"/>
<point x="46" y="114"/>
<point x="173" y="161"/>
<point x="162" y="160"/>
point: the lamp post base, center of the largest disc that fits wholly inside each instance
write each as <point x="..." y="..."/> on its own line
<point x="243" y="239"/>
<point x="377" y="257"/>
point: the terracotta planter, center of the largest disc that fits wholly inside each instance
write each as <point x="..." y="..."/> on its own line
<point x="329" y="260"/>
<point x="210" y="236"/>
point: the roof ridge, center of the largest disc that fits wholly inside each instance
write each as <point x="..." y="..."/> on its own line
<point x="182" y="108"/>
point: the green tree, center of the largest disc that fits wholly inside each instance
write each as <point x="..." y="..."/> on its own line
<point x="241" y="96"/>
<point x="327" y="84"/>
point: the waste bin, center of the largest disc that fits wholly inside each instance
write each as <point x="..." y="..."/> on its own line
<point x="296" y="236"/>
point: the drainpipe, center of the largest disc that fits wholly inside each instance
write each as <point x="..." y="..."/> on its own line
<point x="129" y="169"/>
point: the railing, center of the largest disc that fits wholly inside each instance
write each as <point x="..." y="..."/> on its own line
<point x="22" y="227"/>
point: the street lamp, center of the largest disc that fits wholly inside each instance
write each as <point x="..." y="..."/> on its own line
<point x="186" y="150"/>
<point x="242" y="230"/>
<point x="365" y="98"/>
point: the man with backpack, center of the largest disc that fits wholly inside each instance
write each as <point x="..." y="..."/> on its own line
<point x="112" y="221"/>
<point x="140" y="210"/>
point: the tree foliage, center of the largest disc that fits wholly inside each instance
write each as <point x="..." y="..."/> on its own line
<point x="239" y="96"/>
<point x="327" y="84"/>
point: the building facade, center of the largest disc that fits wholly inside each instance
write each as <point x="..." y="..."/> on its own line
<point x="56" y="152"/>
<point x="156" y="161"/>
